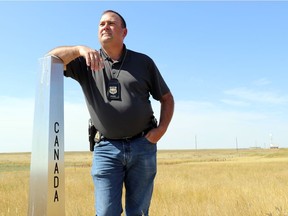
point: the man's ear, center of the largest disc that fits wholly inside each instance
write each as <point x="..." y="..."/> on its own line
<point x="125" y="32"/>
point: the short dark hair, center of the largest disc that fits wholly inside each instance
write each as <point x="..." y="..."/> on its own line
<point x="122" y="19"/>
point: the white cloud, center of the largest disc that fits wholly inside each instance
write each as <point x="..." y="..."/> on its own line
<point x="235" y="103"/>
<point x="76" y="126"/>
<point x="218" y="128"/>
<point x="16" y="121"/>
<point x="262" y="82"/>
<point x="257" y="96"/>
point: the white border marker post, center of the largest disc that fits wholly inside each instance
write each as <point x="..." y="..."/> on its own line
<point x="47" y="185"/>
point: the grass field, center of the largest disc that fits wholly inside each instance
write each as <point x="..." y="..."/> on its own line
<point x="189" y="183"/>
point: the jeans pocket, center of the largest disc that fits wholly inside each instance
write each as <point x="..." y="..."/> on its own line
<point x="101" y="144"/>
<point x="149" y="142"/>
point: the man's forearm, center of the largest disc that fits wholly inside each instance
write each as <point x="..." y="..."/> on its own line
<point x="167" y="110"/>
<point x="166" y="113"/>
<point x="65" y="53"/>
<point x="69" y="53"/>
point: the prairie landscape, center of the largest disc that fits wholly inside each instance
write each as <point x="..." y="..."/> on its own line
<point x="247" y="182"/>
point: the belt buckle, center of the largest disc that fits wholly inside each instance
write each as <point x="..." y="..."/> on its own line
<point x="134" y="137"/>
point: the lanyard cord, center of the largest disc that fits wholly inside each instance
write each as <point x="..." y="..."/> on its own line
<point x="116" y="74"/>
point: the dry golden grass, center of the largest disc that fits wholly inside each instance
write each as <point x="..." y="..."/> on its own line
<point x="192" y="183"/>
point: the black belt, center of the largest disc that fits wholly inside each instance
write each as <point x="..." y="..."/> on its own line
<point x="141" y="134"/>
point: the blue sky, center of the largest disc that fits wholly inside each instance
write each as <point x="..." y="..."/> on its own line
<point x="225" y="63"/>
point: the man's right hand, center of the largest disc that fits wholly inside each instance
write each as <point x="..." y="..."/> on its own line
<point x="69" y="53"/>
<point x="92" y="56"/>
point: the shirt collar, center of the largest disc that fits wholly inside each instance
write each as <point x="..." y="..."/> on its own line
<point x="104" y="55"/>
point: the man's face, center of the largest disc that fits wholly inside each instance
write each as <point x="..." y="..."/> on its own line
<point x="110" y="29"/>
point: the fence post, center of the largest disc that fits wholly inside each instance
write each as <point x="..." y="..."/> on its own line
<point x="47" y="179"/>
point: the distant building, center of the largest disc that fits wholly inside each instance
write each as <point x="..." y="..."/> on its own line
<point x="274" y="146"/>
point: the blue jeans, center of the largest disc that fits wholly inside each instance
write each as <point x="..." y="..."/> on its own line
<point x="129" y="163"/>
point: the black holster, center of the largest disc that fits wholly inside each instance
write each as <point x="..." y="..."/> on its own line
<point x="91" y="132"/>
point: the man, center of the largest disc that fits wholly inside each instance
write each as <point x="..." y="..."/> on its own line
<point x="117" y="83"/>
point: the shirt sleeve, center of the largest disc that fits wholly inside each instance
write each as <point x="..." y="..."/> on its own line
<point x="158" y="84"/>
<point x="75" y="68"/>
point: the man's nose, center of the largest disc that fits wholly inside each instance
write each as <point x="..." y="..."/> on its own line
<point x="106" y="26"/>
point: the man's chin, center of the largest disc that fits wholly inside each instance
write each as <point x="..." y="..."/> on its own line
<point x="106" y="39"/>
